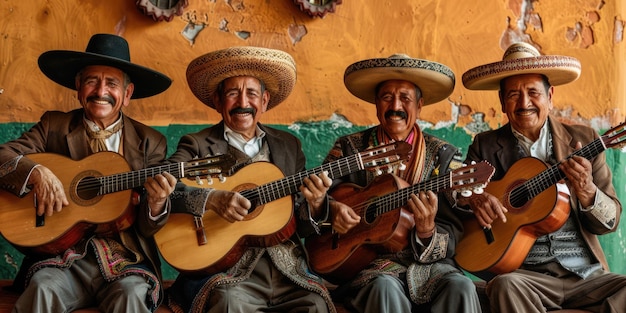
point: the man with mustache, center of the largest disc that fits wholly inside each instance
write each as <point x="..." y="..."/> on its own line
<point x="565" y="269"/>
<point x="423" y="276"/>
<point x="117" y="271"/>
<point x="242" y="83"/>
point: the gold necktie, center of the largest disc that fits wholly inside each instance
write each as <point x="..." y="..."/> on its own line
<point x="97" y="138"/>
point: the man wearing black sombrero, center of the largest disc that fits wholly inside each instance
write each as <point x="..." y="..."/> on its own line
<point x="420" y="274"/>
<point x="242" y="83"/>
<point x="116" y="270"/>
<point x="565" y="267"/>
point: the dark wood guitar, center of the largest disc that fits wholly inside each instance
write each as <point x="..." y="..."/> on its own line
<point x="98" y="188"/>
<point x="385" y="223"/>
<point x="535" y="207"/>
<point x="210" y="244"/>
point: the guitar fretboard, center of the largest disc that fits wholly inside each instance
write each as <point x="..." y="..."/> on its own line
<point x="290" y="185"/>
<point x="549" y="177"/>
<point x="123" y="181"/>
<point x="399" y="198"/>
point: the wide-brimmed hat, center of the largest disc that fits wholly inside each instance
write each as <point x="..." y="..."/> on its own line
<point x="435" y="80"/>
<point x="62" y="66"/>
<point x="522" y="58"/>
<point x="275" y="68"/>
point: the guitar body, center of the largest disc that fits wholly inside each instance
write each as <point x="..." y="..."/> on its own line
<point x="339" y="258"/>
<point x="85" y="213"/>
<point x="543" y="214"/>
<point x="265" y="226"/>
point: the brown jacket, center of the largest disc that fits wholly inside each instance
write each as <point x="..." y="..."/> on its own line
<point x="500" y="148"/>
<point x="64" y="133"/>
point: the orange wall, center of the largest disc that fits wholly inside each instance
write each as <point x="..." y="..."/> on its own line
<point x="460" y="34"/>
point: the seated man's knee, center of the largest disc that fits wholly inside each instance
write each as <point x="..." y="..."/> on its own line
<point x="385" y="284"/>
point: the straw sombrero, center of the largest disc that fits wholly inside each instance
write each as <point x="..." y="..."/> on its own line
<point x="61" y="66"/>
<point x="435" y="80"/>
<point x="522" y="58"/>
<point x="275" y="68"/>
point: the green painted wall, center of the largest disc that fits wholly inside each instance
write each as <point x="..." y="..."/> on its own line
<point x="317" y="138"/>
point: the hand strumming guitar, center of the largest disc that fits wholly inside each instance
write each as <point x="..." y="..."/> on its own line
<point x="344" y="217"/>
<point x="49" y="191"/>
<point x="230" y="205"/>
<point x="486" y="208"/>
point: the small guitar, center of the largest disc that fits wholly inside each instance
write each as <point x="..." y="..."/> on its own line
<point x="535" y="208"/>
<point x="385" y="225"/>
<point x="210" y="244"/>
<point x="100" y="200"/>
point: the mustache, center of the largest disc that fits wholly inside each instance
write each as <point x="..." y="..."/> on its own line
<point x="242" y="111"/>
<point x="106" y="98"/>
<point x="391" y="113"/>
<point x="525" y="110"/>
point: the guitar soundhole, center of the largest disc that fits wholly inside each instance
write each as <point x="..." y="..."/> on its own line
<point x="371" y="213"/>
<point x="519" y="196"/>
<point x="86" y="190"/>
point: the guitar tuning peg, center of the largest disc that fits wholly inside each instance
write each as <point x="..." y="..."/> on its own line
<point x="466" y="193"/>
<point x="463" y="165"/>
<point x="379" y="172"/>
<point x="209" y="180"/>
<point x="402" y="166"/>
<point x="473" y="162"/>
<point x="478" y="190"/>
<point x="389" y="170"/>
<point x="222" y="178"/>
<point x="199" y="181"/>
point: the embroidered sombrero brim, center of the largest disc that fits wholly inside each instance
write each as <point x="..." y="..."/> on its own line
<point x="275" y="68"/>
<point x="61" y="66"/>
<point x="435" y="80"/>
<point x="522" y="58"/>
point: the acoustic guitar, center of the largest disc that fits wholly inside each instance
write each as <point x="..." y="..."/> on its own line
<point x="208" y="244"/>
<point x="385" y="223"/>
<point x="535" y="207"/>
<point x="98" y="189"/>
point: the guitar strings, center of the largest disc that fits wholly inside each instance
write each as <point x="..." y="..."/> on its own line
<point x="123" y="181"/>
<point x="290" y="185"/>
<point x="549" y="177"/>
<point x="341" y="167"/>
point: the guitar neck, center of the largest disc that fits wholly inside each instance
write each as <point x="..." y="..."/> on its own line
<point x="400" y="198"/>
<point x="552" y="175"/>
<point x="291" y="184"/>
<point x="124" y="181"/>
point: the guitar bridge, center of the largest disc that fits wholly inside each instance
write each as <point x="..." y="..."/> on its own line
<point x="488" y="235"/>
<point x="200" y="233"/>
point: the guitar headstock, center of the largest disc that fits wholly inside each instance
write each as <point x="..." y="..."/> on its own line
<point x="615" y="137"/>
<point x="217" y="165"/>
<point x="472" y="178"/>
<point x="383" y="157"/>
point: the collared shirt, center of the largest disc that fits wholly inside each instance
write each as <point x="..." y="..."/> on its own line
<point x="541" y="148"/>
<point x="249" y="147"/>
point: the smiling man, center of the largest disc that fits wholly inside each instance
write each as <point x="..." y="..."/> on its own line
<point x="422" y="276"/>
<point x="566" y="268"/>
<point x="242" y="83"/>
<point x="122" y="264"/>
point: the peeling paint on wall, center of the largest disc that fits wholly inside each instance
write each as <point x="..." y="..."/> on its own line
<point x="618" y="31"/>
<point x="191" y="31"/>
<point x="296" y="32"/>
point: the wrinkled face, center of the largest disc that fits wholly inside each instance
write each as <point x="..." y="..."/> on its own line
<point x="103" y="91"/>
<point x="398" y="105"/>
<point x="241" y="100"/>
<point x="526" y="100"/>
